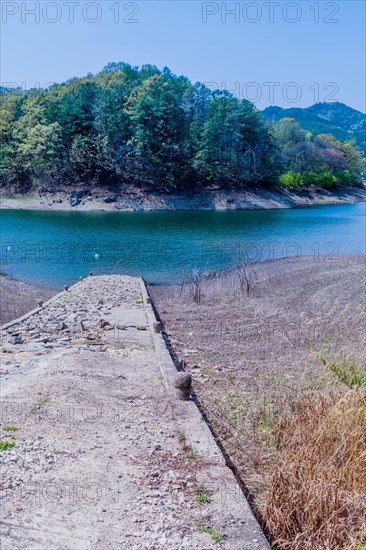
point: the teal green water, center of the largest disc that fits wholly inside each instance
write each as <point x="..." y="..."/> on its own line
<point x="55" y="248"/>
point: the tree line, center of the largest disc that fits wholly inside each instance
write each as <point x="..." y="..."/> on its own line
<point x="149" y="128"/>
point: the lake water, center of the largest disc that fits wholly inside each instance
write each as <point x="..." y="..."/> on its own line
<point x="55" y="248"/>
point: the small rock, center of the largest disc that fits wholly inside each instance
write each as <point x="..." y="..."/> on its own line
<point x="15" y="340"/>
<point x="110" y="199"/>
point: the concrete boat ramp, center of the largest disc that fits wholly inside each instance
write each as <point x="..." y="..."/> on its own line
<point x="97" y="451"/>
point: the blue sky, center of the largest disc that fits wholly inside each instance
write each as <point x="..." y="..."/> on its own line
<point x="274" y="53"/>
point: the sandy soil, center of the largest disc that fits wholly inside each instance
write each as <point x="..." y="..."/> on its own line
<point x="214" y="199"/>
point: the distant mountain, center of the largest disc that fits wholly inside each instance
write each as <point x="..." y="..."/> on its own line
<point x="343" y="122"/>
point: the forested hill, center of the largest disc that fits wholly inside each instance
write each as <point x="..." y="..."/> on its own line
<point x="341" y="121"/>
<point x="144" y="127"/>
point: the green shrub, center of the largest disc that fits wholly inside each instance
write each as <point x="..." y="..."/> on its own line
<point x="291" y="180"/>
<point x="310" y="178"/>
<point x="343" y="178"/>
<point x="327" y="180"/>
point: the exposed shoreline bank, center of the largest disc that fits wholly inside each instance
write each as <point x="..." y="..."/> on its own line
<point x="18" y="297"/>
<point x="258" y="354"/>
<point x="208" y="199"/>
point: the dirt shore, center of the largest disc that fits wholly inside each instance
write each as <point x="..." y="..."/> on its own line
<point x="253" y="356"/>
<point x="17" y="298"/>
<point x="209" y="199"/>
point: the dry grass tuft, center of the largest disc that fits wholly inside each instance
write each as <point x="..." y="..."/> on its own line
<point x="317" y="496"/>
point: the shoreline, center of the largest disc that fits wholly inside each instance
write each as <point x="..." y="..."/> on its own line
<point x="208" y="199"/>
<point x="31" y="292"/>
